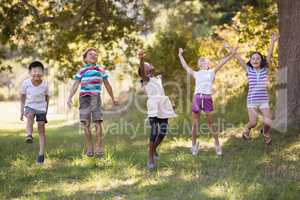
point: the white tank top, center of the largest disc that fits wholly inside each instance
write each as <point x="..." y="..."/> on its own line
<point x="154" y="87"/>
<point x="204" y="80"/>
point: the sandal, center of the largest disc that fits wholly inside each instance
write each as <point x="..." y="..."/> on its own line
<point x="28" y="139"/>
<point x="99" y="154"/>
<point x="267" y="138"/>
<point x="246" y="134"/>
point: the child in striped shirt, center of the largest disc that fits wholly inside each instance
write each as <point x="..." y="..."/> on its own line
<point x="90" y="78"/>
<point x="258" y="98"/>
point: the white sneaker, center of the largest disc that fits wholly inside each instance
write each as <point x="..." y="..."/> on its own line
<point x="195" y="149"/>
<point x="218" y="150"/>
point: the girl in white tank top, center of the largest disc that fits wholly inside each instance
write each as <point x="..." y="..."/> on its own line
<point x="202" y="100"/>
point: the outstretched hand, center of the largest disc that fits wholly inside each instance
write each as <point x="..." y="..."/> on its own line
<point x="180" y="51"/>
<point x="230" y="48"/>
<point x="274" y="37"/>
<point x="141" y="54"/>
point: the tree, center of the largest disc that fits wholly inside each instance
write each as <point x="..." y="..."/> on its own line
<point x="59" y="30"/>
<point x="288" y="88"/>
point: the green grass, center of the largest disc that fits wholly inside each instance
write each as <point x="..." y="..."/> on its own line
<point x="247" y="170"/>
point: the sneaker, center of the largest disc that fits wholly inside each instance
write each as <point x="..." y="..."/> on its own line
<point x="150" y="165"/>
<point x="28" y="139"/>
<point x="99" y="154"/>
<point x="195" y="149"/>
<point x="218" y="150"/>
<point x="89" y="154"/>
<point x="40" y="159"/>
<point x="156" y="156"/>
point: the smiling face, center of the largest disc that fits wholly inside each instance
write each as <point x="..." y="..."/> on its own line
<point x="91" y="57"/>
<point x="149" y="69"/>
<point x="203" y="63"/>
<point x="36" y="73"/>
<point x="256" y="60"/>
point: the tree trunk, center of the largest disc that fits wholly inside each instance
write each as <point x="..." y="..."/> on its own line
<point x="288" y="84"/>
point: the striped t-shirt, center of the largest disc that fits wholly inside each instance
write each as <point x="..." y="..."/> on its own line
<point x="258" y="82"/>
<point x="91" y="77"/>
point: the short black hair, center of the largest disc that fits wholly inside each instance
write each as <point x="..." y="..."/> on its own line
<point x="263" y="64"/>
<point x="36" y="64"/>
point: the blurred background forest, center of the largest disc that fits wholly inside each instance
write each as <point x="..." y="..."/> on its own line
<point x="57" y="32"/>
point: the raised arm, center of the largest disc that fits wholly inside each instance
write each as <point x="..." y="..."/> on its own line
<point x="183" y="62"/>
<point x="225" y="60"/>
<point x="274" y="38"/>
<point x="142" y="65"/>
<point x="241" y="61"/>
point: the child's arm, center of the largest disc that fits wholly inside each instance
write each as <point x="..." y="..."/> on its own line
<point x="183" y="62"/>
<point x="142" y="64"/>
<point x="110" y="91"/>
<point x="225" y="60"/>
<point x="274" y="38"/>
<point x="72" y="92"/>
<point x="47" y="97"/>
<point x="241" y="61"/>
<point x="23" y="98"/>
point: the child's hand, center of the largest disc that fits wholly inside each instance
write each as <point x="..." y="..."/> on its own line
<point x="274" y="37"/>
<point x="115" y="102"/>
<point x="180" y="51"/>
<point x="141" y="54"/>
<point x="69" y="103"/>
<point x="230" y="48"/>
<point x="22" y="116"/>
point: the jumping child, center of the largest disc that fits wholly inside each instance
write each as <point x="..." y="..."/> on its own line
<point x="90" y="77"/>
<point x="202" y="100"/>
<point x="159" y="107"/>
<point x="258" y="98"/>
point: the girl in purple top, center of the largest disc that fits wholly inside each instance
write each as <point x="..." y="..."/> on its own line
<point x="258" y="98"/>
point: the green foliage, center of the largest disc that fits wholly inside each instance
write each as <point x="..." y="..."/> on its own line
<point x="44" y="30"/>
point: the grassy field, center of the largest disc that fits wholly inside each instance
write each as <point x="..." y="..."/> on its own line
<point x="247" y="170"/>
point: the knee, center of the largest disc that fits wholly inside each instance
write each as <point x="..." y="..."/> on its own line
<point x="163" y="128"/>
<point x="85" y="124"/>
<point x="196" y="122"/>
<point x="268" y="122"/>
<point x="252" y="124"/>
<point x="161" y="136"/>
<point x="41" y="125"/>
<point x="98" y="125"/>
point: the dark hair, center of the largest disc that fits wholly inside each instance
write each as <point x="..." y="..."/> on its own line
<point x="36" y="64"/>
<point x="263" y="62"/>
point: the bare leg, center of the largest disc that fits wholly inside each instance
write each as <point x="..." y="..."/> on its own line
<point x="267" y="124"/>
<point x="42" y="140"/>
<point x="98" y="126"/>
<point x="195" y="126"/>
<point x="29" y="124"/>
<point x="209" y="121"/>
<point x="88" y="136"/>
<point x="252" y="114"/>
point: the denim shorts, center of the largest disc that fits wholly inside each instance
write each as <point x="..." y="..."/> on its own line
<point x="40" y="116"/>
